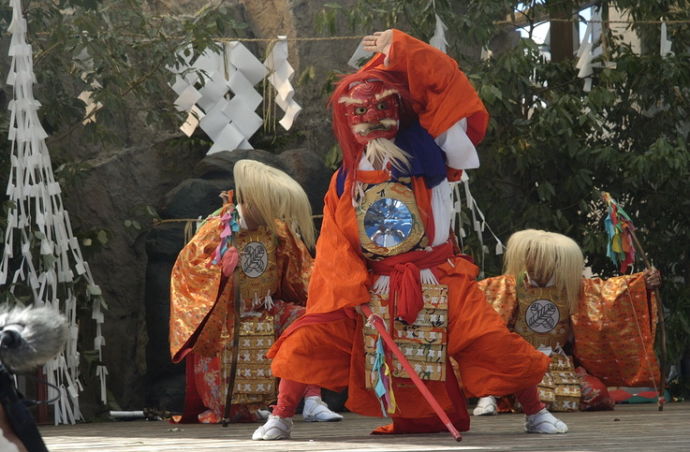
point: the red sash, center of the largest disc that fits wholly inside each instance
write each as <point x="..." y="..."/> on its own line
<point x="405" y="285"/>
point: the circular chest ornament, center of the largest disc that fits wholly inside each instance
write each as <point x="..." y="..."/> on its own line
<point x="254" y="259"/>
<point x="389" y="220"/>
<point x="542" y="316"/>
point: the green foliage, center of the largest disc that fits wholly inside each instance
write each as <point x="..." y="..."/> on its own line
<point x="118" y="49"/>
<point x="333" y="157"/>
<point x="551" y="148"/>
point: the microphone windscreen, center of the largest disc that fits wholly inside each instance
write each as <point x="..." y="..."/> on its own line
<point x="41" y="332"/>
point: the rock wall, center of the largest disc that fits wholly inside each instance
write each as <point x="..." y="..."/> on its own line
<point x="112" y="191"/>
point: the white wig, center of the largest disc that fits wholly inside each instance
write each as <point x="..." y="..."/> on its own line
<point x="547" y="256"/>
<point x="271" y="194"/>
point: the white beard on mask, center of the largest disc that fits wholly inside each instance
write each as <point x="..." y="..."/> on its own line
<point x="381" y="152"/>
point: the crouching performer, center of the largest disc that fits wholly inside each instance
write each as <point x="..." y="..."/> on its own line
<point x="234" y="288"/>
<point x="406" y="122"/>
<point x="607" y="325"/>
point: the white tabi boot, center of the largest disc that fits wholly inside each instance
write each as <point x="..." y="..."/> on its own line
<point x="276" y="427"/>
<point x="316" y="410"/>
<point x="544" y="422"/>
<point x="486" y="406"/>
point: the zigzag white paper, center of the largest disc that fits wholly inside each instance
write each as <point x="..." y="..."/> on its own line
<point x="38" y="214"/>
<point x="221" y="100"/>
<point x="281" y="76"/>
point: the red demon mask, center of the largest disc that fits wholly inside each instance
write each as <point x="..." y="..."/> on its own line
<point x="372" y="110"/>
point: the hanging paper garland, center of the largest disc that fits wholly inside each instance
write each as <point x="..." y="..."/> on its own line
<point x="38" y="214"/>
<point x="280" y="77"/>
<point x="358" y="56"/>
<point x="584" y="58"/>
<point x="229" y="123"/>
<point x="85" y="96"/>
<point x="479" y="223"/>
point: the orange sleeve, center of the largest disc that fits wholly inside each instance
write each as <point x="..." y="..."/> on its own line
<point x="340" y="274"/>
<point x="500" y="292"/>
<point x="294" y="263"/>
<point x="614" y="330"/>
<point x="442" y="93"/>
<point x="194" y="284"/>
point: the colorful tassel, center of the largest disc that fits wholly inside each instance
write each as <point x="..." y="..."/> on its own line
<point x="229" y="224"/>
<point x="619" y="228"/>
<point x="383" y="387"/>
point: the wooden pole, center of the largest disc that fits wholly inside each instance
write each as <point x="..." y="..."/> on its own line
<point x="561" y="33"/>
<point x="235" y="346"/>
<point x="662" y="324"/>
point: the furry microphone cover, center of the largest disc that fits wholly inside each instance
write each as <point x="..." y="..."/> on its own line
<point x="30" y="336"/>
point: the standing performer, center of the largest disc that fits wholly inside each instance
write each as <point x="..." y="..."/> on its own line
<point x="406" y="122"/>
<point x="250" y="260"/>
<point x="608" y="325"/>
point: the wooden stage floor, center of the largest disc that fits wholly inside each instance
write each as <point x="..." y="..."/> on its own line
<point x="630" y="428"/>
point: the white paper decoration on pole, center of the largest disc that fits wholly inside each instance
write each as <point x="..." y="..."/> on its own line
<point x="38" y="218"/>
<point x="665" y="44"/>
<point x="438" y="40"/>
<point x="281" y="75"/>
<point x="584" y="58"/>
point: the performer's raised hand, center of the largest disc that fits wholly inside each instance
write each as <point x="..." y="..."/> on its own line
<point x="380" y="41"/>
<point x="370" y="318"/>
<point x="652" y="278"/>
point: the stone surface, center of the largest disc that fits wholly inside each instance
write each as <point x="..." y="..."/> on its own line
<point x="192" y="198"/>
<point x="111" y="191"/>
<point x="631" y="428"/>
<point x="307" y="168"/>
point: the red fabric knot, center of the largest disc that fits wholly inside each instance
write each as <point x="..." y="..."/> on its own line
<point x="406" y="291"/>
<point x="405" y="283"/>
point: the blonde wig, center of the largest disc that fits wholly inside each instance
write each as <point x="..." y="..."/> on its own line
<point x="271" y="194"/>
<point x="546" y="257"/>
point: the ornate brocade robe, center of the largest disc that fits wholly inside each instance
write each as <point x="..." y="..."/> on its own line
<point x="613" y="329"/>
<point x="272" y="277"/>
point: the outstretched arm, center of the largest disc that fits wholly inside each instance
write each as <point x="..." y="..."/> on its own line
<point x="441" y="92"/>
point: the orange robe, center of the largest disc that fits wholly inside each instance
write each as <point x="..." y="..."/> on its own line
<point x="613" y="328"/>
<point x="195" y="282"/>
<point x="331" y="353"/>
<point x="202" y="314"/>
